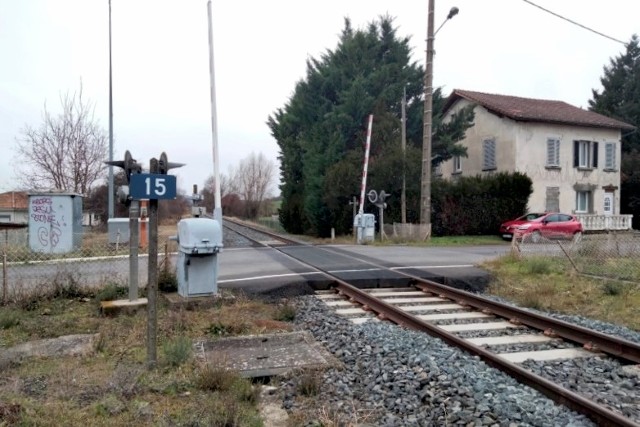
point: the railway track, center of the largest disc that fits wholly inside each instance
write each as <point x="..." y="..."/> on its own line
<point x="258" y="236"/>
<point x="482" y="327"/>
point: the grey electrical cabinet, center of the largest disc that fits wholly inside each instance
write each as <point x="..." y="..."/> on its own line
<point x="365" y="227"/>
<point x="55" y="222"/>
<point x="199" y="242"/>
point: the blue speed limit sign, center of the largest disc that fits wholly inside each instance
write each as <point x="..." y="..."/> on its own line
<point x="152" y="186"/>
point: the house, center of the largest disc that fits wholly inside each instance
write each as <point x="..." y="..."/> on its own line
<point x="571" y="155"/>
<point x="14" y="207"/>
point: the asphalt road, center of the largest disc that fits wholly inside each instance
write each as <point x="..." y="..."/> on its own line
<point x="266" y="268"/>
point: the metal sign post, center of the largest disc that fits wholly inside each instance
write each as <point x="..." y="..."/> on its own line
<point x="134" y="212"/>
<point x="155" y="185"/>
<point x="152" y="287"/>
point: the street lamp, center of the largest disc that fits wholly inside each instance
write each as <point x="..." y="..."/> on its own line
<point x="425" y="196"/>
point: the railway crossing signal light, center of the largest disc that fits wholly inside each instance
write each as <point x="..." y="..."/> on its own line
<point x="130" y="167"/>
<point x="164" y="165"/>
<point x="378" y="199"/>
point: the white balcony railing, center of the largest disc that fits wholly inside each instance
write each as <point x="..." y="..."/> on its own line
<point x="605" y="222"/>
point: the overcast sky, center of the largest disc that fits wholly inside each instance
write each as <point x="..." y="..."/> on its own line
<point x="161" y="75"/>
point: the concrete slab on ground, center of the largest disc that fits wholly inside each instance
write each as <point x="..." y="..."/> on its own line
<point x="265" y="355"/>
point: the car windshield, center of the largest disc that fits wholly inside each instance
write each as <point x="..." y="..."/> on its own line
<point x="530" y="216"/>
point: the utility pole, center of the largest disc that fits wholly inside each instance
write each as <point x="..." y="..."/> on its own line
<point x="403" y="196"/>
<point x="425" y="198"/>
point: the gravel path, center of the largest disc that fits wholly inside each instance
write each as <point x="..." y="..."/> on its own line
<point x="396" y="377"/>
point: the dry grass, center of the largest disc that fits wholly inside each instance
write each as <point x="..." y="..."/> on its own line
<point x="113" y="387"/>
<point x="549" y="284"/>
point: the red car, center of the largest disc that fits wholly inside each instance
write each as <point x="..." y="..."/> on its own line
<point x="551" y="225"/>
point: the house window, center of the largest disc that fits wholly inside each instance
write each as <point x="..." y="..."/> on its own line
<point x="553" y="153"/>
<point x="489" y="154"/>
<point x="457" y="164"/>
<point x="585" y="154"/>
<point x="610" y="156"/>
<point x="582" y="201"/>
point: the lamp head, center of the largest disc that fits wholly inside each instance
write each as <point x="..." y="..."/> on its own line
<point x="453" y="12"/>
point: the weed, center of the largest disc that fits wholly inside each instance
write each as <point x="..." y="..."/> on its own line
<point x="8" y="319"/>
<point x="69" y="288"/>
<point x="244" y="391"/>
<point x="309" y="382"/>
<point x="220" y="328"/>
<point x="111" y="292"/>
<point x="216" y="378"/>
<point x="167" y="281"/>
<point x="285" y="313"/>
<point x="536" y="265"/>
<point x="177" y="351"/>
<point x="612" y="288"/>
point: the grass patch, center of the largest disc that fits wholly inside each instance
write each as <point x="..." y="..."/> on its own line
<point x="113" y="387"/>
<point x="551" y="284"/>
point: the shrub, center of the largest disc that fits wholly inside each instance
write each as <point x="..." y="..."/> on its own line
<point x="8" y="319"/>
<point x="285" y="313"/>
<point x="612" y="288"/>
<point x="111" y="292"/>
<point x="309" y="382"/>
<point x="177" y="351"/>
<point x="216" y="378"/>
<point x="167" y="281"/>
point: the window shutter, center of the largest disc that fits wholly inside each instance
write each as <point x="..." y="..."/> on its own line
<point x="576" y="153"/>
<point x="489" y="154"/>
<point x="595" y="155"/>
<point x="609" y="152"/>
<point x="550" y="152"/>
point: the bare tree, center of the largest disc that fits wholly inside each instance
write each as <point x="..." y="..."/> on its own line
<point x="209" y="190"/>
<point x="253" y="177"/>
<point x="66" y="152"/>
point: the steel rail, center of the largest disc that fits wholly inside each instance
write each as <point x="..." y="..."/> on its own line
<point x="598" y="413"/>
<point x="590" y="339"/>
<point x="260" y="230"/>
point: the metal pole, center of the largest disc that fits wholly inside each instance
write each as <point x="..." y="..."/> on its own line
<point x="152" y="287"/>
<point x="366" y="164"/>
<point x="425" y="199"/>
<point x="217" y="210"/>
<point x="403" y="196"/>
<point x="4" y="276"/>
<point x="355" y="210"/>
<point x="111" y="195"/>
<point x="134" y="212"/>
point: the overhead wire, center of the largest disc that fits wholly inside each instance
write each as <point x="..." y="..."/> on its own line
<point x="575" y="23"/>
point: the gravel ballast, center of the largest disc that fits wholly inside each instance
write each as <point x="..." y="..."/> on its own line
<point x="397" y="377"/>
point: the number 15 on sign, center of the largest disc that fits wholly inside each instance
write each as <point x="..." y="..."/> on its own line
<point x="152" y="186"/>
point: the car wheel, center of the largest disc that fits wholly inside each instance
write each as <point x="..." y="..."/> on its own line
<point x="577" y="237"/>
<point x="536" y="237"/>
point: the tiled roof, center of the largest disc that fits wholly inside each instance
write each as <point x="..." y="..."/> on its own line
<point x="536" y="110"/>
<point x="14" y="200"/>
